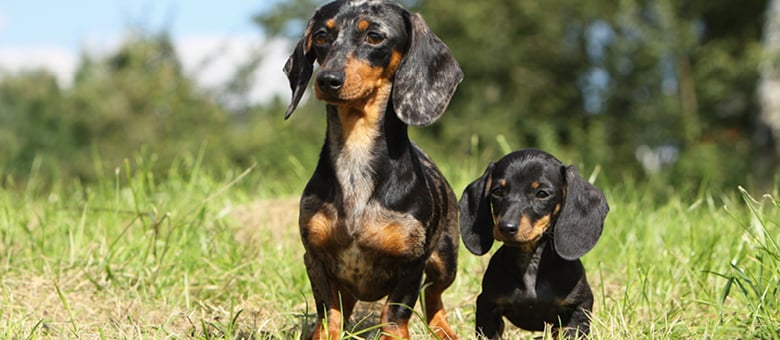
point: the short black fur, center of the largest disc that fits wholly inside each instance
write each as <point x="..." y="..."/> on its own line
<point x="548" y="216"/>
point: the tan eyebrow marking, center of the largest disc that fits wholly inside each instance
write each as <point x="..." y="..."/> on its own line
<point x="362" y="25"/>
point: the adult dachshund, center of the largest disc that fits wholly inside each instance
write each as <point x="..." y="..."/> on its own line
<point x="377" y="213"/>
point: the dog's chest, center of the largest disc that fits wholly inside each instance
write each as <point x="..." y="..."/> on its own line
<point x="530" y="303"/>
<point x="354" y="176"/>
<point x="521" y="286"/>
<point x="371" y="229"/>
<point x="362" y="248"/>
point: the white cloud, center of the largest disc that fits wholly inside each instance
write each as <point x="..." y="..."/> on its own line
<point x="211" y="60"/>
<point x="59" y="60"/>
<point x="269" y="78"/>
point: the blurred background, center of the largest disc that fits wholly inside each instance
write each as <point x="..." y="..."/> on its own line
<point x="681" y="94"/>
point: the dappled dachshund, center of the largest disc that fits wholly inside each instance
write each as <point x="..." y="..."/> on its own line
<point x="547" y="216"/>
<point x="377" y="213"/>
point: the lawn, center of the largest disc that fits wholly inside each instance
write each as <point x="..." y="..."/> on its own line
<point x="216" y="255"/>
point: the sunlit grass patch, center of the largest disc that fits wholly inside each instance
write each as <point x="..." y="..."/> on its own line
<point x="203" y="254"/>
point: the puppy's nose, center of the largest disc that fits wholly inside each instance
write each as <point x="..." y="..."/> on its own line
<point x="330" y="81"/>
<point x="508" y="228"/>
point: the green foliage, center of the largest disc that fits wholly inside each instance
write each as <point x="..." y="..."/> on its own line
<point x="138" y="100"/>
<point x="138" y="97"/>
<point x="613" y="83"/>
<point x="595" y="82"/>
<point x="31" y="126"/>
<point x="639" y="88"/>
<point x="288" y="18"/>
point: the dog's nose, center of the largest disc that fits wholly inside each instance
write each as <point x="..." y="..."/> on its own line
<point x="330" y="81"/>
<point x="508" y="228"/>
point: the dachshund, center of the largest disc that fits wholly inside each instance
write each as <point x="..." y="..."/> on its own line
<point x="377" y="213"/>
<point x="547" y="217"/>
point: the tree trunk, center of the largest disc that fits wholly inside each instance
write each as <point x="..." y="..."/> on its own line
<point x="769" y="83"/>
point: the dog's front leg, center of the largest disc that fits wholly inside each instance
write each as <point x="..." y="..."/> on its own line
<point x="400" y="304"/>
<point x="333" y="306"/>
<point x="490" y="322"/>
<point x="439" y="274"/>
<point x="578" y="326"/>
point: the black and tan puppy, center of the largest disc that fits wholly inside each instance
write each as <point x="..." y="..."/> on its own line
<point x="377" y="213"/>
<point x="547" y="216"/>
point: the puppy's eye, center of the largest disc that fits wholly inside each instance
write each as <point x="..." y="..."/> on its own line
<point x="542" y="194"/>
<point x="320" y="38"/>
<point x="497" y="192"/>
<point x="374" y="38"/>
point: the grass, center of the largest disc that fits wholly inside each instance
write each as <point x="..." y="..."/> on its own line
<point x="209" y="255"/>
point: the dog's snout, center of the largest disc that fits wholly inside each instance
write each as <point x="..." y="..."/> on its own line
<point x="330" y="81"/>
<point x="508" y="228"/>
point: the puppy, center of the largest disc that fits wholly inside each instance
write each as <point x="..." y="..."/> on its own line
<point x="547" y="216"/>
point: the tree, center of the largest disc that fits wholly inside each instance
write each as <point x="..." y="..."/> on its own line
<point x="136" y="98"/>
<point x="640" y="87"/>
<point x="769" y="85"/>
<point x="31" y="103"/>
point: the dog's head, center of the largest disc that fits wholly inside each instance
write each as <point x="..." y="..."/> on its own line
<point x="529" y="193"/>
<point x="364" y="45"/>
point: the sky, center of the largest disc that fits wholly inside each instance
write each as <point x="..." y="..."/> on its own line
<point x="211" y="37"/>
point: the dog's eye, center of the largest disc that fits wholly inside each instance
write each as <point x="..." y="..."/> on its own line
<point x="497" y="192"/>
<point x="374" y="38"/>
<point x="542" y="194"/>
<point x="320" y="38"/>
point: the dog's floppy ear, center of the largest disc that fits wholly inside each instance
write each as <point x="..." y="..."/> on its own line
<point x="427" y="77"/>
<point x="476" y="219"/>
<point x="299" y="68"/>
<point x="581" y="220"/>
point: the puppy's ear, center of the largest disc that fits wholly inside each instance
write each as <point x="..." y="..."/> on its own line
<point x="299" y="68"/>
<point x="476" y="219"/>
<point x="427" y="77"/>
<point x="581" y="220"/>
